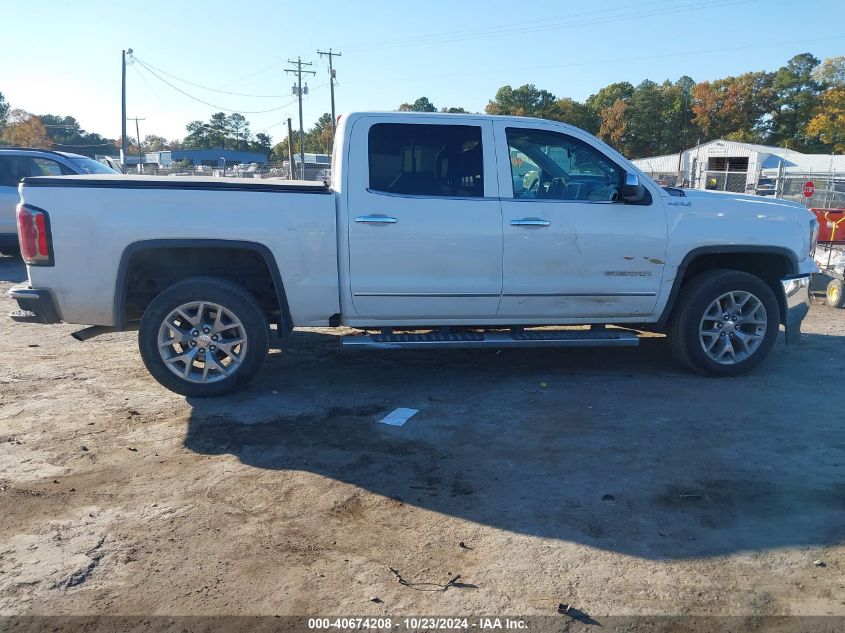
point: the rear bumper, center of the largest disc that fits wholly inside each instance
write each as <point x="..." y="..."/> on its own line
<point x="796" y="292"/>
<point x="35" y="306"/>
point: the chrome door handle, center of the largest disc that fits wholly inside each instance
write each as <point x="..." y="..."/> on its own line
<point x="376" y="219"/>
<point x="530" y="222"/>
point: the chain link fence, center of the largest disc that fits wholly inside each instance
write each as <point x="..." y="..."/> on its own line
<point x="734" y="181"/>
<point x="669" y="178"/>
<point x="828" y="189"/>
<point x="312" y="171"/>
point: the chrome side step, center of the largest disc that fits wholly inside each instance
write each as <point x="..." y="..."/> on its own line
<point x="514" y="338"/>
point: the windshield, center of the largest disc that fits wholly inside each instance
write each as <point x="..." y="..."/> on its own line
<point x="91" y="166"/>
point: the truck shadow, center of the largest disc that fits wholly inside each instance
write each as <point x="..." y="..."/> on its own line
<point x="616" y="449"/>
<point x="12" y="269"/>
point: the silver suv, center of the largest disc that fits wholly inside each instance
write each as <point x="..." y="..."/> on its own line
<point x="17" y="163"/>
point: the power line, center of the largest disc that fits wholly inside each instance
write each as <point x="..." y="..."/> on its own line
<point x="625" y="59"/>
<point x="552" y="25"/>
<point x="225" y="92"/>
<point x="204" y="102"/>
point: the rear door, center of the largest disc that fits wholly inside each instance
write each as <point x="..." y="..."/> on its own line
<point x="424" y="221"/>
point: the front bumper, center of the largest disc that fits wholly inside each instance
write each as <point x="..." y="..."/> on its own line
<point x="35" y="306"/>
<point x="796" y="293"/>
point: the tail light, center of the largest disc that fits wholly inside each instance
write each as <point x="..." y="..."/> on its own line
<point x="34" y="236"/>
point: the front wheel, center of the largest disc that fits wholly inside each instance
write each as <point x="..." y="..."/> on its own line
<point x="726" y="323"/>
<point x="203" y="337"/>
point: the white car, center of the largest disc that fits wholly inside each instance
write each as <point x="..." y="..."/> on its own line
<point x="426" y="234"/>
<point x="19" y="162"/>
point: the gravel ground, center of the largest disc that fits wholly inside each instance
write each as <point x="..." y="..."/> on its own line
<point x="611" y="480"/>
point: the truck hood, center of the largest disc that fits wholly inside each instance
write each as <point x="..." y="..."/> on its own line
<point x="763" y="204"/>
<point x="711" y="218"/>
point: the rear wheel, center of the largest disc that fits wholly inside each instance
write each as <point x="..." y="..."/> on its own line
<point x="835" y="297"/>
<point x="725" y="324"/>
<point x="203" y="337"/>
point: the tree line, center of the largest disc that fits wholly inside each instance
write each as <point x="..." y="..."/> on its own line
<point x="801" y="105"/>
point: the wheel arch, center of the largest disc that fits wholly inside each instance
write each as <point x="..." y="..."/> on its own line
<point x="207" y="246"/>
<point x="770" y="263"/>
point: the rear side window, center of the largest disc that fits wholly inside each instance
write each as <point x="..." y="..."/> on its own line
<point x="426" y="160"/>
<point x="47" y="167"/>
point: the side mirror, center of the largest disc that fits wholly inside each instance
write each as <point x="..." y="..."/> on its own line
<point x="632" y="190"/>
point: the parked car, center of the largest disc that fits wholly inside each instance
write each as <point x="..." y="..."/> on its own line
<point x="17" y="163"/>
<point x="425" y="236"/>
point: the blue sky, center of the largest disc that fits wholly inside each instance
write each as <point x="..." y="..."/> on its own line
<point x="64" y="58"/>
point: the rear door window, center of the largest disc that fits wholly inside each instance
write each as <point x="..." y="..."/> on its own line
<point x="426" y="160"/>
<point x="47" y="167"/>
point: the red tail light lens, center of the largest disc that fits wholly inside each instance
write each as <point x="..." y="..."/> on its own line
<point x="34" y="236"/>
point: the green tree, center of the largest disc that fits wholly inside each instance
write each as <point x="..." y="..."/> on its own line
<point x="609" y="95"/>
<point x="527" y="100"/>
<point x="218" y="130"/>
<point x="262" y="143"/>
<point x="454" y="110"/>
<point x="237" y="125"/>
<point x="153" y="143"/>
<point x="420" y="105"/>
<point x="197" y="137"/>
<point x="66" y="134"/>
<point x="796" y="96"/>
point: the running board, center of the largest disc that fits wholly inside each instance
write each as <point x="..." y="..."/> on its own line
<point x="514" y="338"/>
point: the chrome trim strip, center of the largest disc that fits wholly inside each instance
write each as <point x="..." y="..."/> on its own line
<point x="425" y="294"/>
<point x="580" y="294"/>
<point x="389" y="194"/>
<point x="507" y="294"/>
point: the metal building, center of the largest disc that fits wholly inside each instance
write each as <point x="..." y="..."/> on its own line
<point x="742" y="167"/>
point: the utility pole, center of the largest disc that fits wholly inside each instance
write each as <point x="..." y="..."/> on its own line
<point x="290" y="149"/>
<point x="330" y="54"/>
<point x="123" y="109"/>
<point x="297" y="90"/>
<point x="137" y="137"/>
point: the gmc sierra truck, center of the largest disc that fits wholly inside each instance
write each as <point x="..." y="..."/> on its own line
<point x="435" y="231"/>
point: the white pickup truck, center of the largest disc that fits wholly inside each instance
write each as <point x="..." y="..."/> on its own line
<point x="436" y="231"/>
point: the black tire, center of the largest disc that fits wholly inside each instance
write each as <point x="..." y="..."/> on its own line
<point x="233" y="298"/>
<point x="835" y="296"/>
<point x="695" y="298"/>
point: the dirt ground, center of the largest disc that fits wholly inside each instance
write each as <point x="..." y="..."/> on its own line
<point x="611" y="480"/>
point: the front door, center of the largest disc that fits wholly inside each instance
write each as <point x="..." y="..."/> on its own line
<point x="572" y="247"/>
<point x="424" y="223"/>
